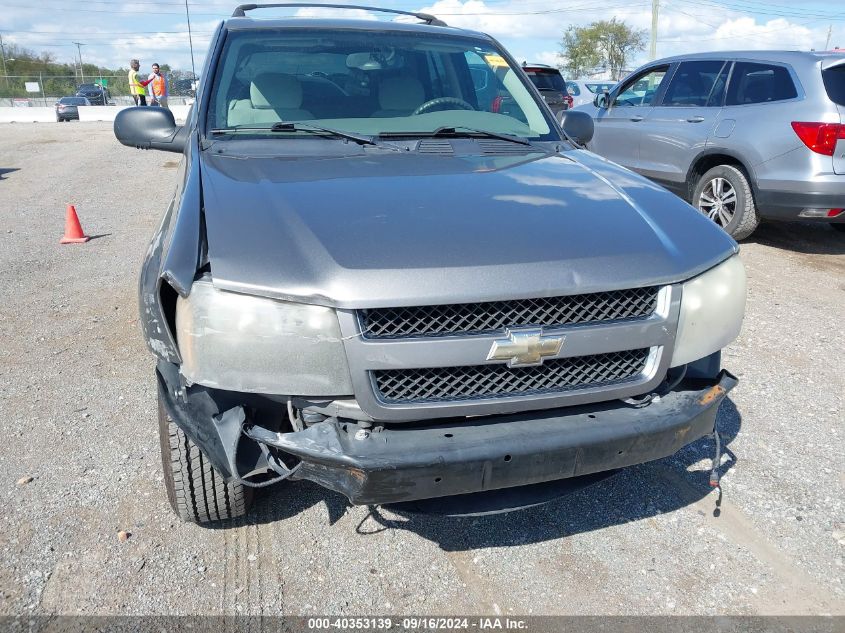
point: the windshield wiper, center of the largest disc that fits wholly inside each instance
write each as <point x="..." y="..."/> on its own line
<point x="295" y="126"/>
<point x="459" y="131"/>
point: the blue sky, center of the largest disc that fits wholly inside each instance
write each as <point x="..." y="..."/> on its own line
<point x="156" y="30"/>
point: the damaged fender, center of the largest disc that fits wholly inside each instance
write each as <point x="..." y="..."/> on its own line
<point x="176" y="251"/>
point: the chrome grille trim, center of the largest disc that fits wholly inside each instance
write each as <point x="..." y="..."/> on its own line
<point x="495" y="316"/>
<point x="438" y="384"/>
<point x="365" y="356"/>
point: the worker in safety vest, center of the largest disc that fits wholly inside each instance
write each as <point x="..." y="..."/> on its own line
<point x="137" y="86"/>
<point x="158" y="87"/>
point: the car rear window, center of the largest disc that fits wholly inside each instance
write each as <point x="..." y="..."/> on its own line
<point x="834" y="83"/>
<point x="599" y="87"/>
<point x="546" y="79"/>
<point x="72" y="101"/>
<point x="760" y="83"/>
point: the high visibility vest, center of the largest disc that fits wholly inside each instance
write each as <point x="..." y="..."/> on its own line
<point x="159" y="87"/>
<point x="134" y="87"/>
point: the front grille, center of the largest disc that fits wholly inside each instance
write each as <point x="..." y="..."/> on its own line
<point x="484" y="318"/>
<point x="496" y="381"/>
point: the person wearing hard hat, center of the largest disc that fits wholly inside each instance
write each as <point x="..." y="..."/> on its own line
<point x="137" y="86"/>
<point x="158" y="87"/>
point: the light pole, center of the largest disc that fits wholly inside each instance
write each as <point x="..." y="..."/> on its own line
<point x="79" y="46"/>
<point x="652" y="49"/>
<point x="190" y="41"/>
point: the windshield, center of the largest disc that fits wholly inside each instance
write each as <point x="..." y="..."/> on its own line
<point x="546" y="79"/>
<point x="369" y="82"/>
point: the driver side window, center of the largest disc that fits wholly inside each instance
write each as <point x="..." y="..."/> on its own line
<point x="642" y="89"/>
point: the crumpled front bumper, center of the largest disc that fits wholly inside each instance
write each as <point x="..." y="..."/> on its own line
<point x="480" y="454"/>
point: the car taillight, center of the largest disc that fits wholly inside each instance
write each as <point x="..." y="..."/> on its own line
<point x="568" y="98"/>
<point x="832" y="213"/>
<point x="819" y="137"/>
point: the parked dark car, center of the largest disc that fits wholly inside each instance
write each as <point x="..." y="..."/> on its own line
<point x="66" y="108"/>
<point x="551" y="85"/>
<point x="95" y="93"/>
<point x="405" y="293"/>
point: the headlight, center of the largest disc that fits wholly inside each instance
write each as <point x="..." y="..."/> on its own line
<point x="244" y="343"/>
<point x="712" y="307"/>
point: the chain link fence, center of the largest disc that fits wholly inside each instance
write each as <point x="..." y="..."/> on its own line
<point x="45" y="90"/>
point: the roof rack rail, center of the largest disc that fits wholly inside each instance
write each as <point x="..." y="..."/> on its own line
<point x="240" y="11"/>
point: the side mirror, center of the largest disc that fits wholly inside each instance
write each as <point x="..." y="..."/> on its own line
<point x="601" y="100"/>
<point x="150" y="128"/>
<point x="578" y="126"/>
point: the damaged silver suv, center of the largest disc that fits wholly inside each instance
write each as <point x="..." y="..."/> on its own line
<point x="386" y="269"/>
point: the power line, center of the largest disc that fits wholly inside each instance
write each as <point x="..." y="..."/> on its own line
<point x="89" y="34"/>
<point x="785" y="13"/>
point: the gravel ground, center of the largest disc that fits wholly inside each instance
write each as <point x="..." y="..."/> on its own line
<point x="77" y="408"/>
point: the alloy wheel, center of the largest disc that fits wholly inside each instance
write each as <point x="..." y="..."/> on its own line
<point x="718" y="201"/>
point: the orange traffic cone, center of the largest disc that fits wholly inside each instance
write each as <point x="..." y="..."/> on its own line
<point x="73" y="230"/>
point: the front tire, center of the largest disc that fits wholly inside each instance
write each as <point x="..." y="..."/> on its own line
<point x="724" y="195"/>
<point x="195" y="489"/>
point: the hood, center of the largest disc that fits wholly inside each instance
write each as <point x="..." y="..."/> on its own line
<point x="381" y="228"/>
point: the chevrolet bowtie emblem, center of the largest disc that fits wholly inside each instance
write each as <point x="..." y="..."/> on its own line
<point x="525" y="347"/>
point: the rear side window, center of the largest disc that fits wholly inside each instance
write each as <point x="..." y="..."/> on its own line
<point x="834" y="83"/>
<point x="695" y="83"/>
<point x="759" y="83"/>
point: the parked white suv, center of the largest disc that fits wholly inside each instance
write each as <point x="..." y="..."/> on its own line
<point x="583" y="91"/>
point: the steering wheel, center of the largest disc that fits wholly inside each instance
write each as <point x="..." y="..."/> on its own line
<point x="428" y="105"/>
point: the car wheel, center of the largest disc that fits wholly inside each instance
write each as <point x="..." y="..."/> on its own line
<point x="195" y="489"/>
<point x="724" y="195"/>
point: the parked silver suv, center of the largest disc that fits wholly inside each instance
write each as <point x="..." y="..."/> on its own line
<point x="743" y="136"/>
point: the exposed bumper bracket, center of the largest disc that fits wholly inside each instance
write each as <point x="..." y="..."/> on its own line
<point x="474" y="455"/>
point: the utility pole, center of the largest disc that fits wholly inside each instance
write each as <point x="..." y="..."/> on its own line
<point x="827" y="42"/>
<point x="3" y="57"/>
<point x="652" y="49"/>
<point x="190" y="41"/>
<point x="79" y="46"/>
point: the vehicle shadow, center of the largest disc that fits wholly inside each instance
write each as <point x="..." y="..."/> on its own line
<point x="7" y="170"/>
<point x="811" y="238"/>
<point x="635" y="493"/>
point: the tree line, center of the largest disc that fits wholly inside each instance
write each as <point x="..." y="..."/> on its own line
<point x="62" y="78"/>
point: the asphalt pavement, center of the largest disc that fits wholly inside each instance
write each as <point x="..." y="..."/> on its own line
<point x="78" y="415"/>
